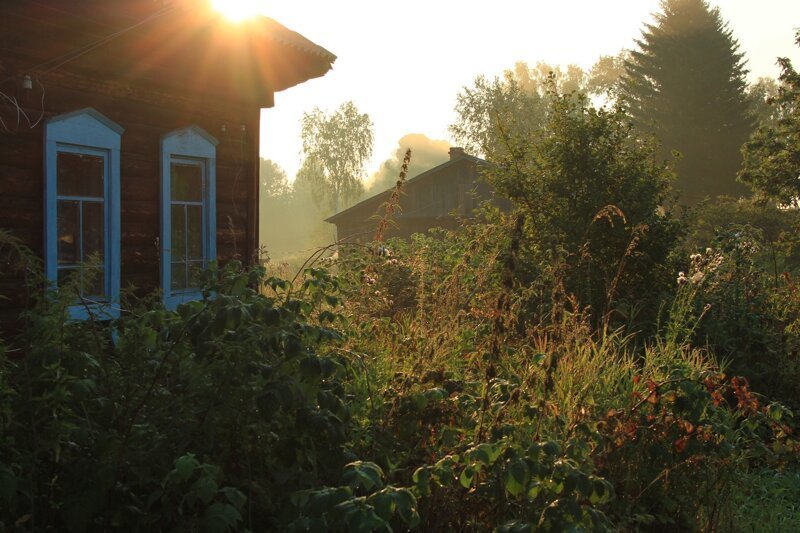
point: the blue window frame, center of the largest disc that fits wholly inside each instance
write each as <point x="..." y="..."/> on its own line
<point x="82" y="210"/>
<point x="188" y="212"/>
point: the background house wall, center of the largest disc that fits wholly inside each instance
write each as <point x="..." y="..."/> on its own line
<point x="435" y="198"/>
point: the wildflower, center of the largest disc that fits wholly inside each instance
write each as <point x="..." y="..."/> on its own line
<point x="682" y="278"/>
<point x="697" y="277"/>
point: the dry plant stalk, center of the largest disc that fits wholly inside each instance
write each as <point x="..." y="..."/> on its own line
<point x="392" y="205"/>
<point x="497" y="339"/>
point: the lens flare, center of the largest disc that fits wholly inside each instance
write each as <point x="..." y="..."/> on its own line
<point x="237" y="10"/>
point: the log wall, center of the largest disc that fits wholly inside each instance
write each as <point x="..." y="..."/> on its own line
<point x="146" y="113"/>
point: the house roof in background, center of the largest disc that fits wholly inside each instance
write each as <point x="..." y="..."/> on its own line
<point x="417" y="180"/>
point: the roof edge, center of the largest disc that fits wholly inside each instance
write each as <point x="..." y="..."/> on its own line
<point x="421" y="176"/>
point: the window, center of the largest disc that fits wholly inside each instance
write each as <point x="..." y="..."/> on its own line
<point x="82" y="230"/>
<point x="188" y="213"/>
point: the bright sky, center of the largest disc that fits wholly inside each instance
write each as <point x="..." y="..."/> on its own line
<point x="404" y="62"/>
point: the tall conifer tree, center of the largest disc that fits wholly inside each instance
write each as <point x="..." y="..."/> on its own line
<point x="686" y="84"/>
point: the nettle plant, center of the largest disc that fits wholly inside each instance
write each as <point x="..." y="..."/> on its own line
<point x="203" y="418"/>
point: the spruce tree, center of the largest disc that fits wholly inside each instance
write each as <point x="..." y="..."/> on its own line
<point x="686" y="84"/>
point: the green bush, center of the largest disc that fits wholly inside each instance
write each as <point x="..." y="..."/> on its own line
<point x="101" y="422"/>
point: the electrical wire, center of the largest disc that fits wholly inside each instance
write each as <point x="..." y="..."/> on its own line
<point x="41" y="115"/>
<point x="239" y="170"/>
<point x="63" y="59"/>
<point x="14" y="103"/>
<point x="53" y="64"/>
<point x="20" y="111"/>
<point x="65" y="12"/>
<point x="88" y="48"/>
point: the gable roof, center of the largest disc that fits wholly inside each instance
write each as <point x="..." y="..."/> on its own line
<point x="179" y="43"/>
<point x="271" y="29"/>
<point x="412" y="182"/>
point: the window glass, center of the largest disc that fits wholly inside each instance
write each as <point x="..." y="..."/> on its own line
<point x="68" y="223"/>
<point x="194" y="272"/>
<point x="92" y="234"/>
<point x="178" y="233"/>
<point x="79" y="175"/>
<point x="178" y="276"/>
<point x="92" y="282"/>
<point x="194" y="232"/>
<point x="80" y="220"/>
<point x="82" y="210"/>
<point x="188" y="198"/>
<point x="187" y="182"/>
<point x="186" y="232"/>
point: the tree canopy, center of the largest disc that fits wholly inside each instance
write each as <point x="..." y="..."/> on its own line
<point x="273" y="179"/>
<point x="336" y="148"/>
<point x="772" y="157"/>
<point x="516" y="104"/>
<point x="592" y="194"/>
<point x="686" y="84"/>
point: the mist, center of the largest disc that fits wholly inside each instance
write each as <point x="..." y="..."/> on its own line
<point x="426" y="153"/>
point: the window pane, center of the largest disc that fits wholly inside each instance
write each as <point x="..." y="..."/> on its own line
<point x="186" y="182"/>
<point x="80" y="175"/>
<point x="64" y="274"/>
<point x="195" y="271"/>
<point x="93" y="283"/>
<point x="194" y="231"/>
<point x="178" y="233"/>
<point x="178" y="276"/>
<point x="93" y="231"/>
<point x="68" y="232"/>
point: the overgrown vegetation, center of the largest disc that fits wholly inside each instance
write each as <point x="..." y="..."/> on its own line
<point x="594" y="364"/>
<point x="590" y="360"/>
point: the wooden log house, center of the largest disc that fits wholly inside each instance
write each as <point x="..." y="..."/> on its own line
<point x="443" y="196"/>
<point x="130" y="140"/>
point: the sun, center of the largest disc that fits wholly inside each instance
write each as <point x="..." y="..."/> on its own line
<point x="237" y="10"/>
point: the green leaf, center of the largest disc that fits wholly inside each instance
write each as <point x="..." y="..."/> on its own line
<point x="234" y="496"/>
<point x="8" y="484"/>
<point x="184" y="466"/>
<point x="551" y="448"/>
<point x="310" y="368"/>
<point x="516" y="477"/>
<point x="326" y="316"/>
<point x="407" y="507"/>
<point x="584" y="485"/>
<point x="600" y="492"/>
<point x="384" y="504"/>
<point x="220" y="518"/>
<point x="421" y="479"/>
<point x="436" y="394"/>
<point x="533" y="490"/>
<point x="486" y="453"/>
<point x="206" y="489"/>
<point x="363" y="474"/>
<point x="467" y="475"/>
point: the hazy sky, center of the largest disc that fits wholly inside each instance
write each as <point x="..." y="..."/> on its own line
<point x="404" y="62"/>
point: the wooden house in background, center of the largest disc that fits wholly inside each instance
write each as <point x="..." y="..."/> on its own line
<point x="438" y="197"/>
<point x="130" y="137"/>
